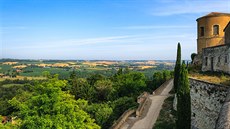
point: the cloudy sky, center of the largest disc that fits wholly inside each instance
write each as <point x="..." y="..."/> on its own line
<point x="101" y="29"/>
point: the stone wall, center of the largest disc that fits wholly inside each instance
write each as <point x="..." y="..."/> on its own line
<point x="227" y="34"/>
<point x="206" y="102"/>
<point x="224" y="116"/>
<point x="142" y="104"/>
<point x="122" y="119"/>
<point x="216" y="59"/>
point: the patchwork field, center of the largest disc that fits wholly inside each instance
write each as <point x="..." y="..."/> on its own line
<point x="33" y="69"/>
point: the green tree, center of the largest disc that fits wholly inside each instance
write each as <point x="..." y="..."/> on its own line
<point x="158" y="79"/>
<point x="193" y="56"/>
<point x="130" y="84"/>
<point x="50" y="107"/>
<point x="127" y="70"/>
<point x="95" y="77"/>
<point x="46" y="74"/>
<point x="183" y="100"/>
<point x="101" y="113"/>
<point x="166" y="75"/>
<point x="177" y="67"/>
<point x="119" y="72"/>
<point x="82" y="89"/>
<point x="73" y="75"/>
<point x="104" y="89"/>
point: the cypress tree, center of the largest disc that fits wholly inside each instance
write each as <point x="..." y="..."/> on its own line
<point x="183" y="100"/>
<point x="177" y="67"/>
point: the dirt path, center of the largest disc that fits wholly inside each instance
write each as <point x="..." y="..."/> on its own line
<point x="153" y="112"/>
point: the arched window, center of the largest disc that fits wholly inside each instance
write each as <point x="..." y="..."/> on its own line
<point x="201" y="31"/>
<point x="215" y="29"/>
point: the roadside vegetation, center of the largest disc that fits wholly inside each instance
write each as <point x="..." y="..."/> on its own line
<point x="167" y="116"/>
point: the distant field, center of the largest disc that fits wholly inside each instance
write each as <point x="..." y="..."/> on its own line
<point x="23" y="77"/>
<point x="35" y="68"/>
<point x="5" y="68"/>
<point x="30" y="71"/>
<point x="10" y="85"/>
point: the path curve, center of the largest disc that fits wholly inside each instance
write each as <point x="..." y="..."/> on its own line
<point x="153" y="112"/>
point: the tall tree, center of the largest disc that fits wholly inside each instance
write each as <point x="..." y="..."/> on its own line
<point x="183" y="100"/>
<point x="177" y="67"/>
<point x="73" y="75"/>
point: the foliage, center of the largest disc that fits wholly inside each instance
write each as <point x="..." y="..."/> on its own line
<point x="101" y="113"/>
<point x="7" y="92"/>
<point x="50" y="107"/>
<point x="46" y="74"/>
<point x="104" y="89"/>
<point x="167" y="117"/>
<point x="130" y="84"/>
<point x="94" y="78"/>
<point x="193" y="56"/>
<point x="159" y="78"/>
<point x="73" y="74"/>
<point x="183" y="100"/>
<point x="82" y="89"/>
<point x="177" y="67"/>
<point x="122" y="104"/>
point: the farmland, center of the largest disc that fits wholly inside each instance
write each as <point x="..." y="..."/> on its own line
<point x="19" y="69"/>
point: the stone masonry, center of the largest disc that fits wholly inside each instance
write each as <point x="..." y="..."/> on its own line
<point x="207" y="100"/>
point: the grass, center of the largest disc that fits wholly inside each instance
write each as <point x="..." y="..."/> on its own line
<point x="167" y="117"/>
<point x="36" y="72"/>
<point x="217" y="78"/>
<point x="5" y="68"/>
<point x="23" y="77"/>
<point x="10" y="85"/>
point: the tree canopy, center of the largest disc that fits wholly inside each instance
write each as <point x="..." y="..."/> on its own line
<point x="50" y="107"/>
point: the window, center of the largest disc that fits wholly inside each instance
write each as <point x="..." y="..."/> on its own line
<point x="215" y="29"/>
<point x="226" y="59"/>
<point x="206" y="61"/>
<point x="201" y="31"/>
<point x="219" y="59"/>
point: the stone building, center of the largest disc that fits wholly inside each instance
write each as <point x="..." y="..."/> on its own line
<point x="210" y="30"/>
<point x="227" y="34"/>
<point x="217" y="58"/>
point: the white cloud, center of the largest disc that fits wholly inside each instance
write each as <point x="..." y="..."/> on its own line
<point x="146" y="46"/>
<point x="105" y="41"/>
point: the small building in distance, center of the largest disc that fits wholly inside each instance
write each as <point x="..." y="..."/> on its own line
<point x="217" y="58"/>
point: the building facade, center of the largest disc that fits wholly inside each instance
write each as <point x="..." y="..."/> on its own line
<point x="217" y="58"/>
<point x="210" y="30"/>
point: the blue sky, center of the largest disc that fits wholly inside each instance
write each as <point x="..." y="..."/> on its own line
<point x="101" y="29"/>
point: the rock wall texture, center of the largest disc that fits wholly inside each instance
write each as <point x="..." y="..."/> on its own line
<point x="224" y="116"/>
<point x="207" y="100"/>
<point x="216" y="59"/>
